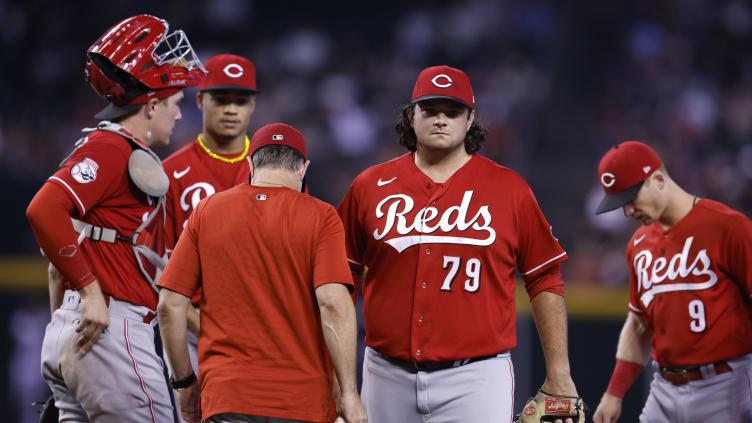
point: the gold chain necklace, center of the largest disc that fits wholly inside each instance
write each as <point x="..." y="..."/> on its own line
<point x="225" y="159"/>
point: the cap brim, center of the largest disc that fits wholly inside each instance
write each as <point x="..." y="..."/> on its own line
<point x="444" y="97"/>
<point x="619" y="199"/>
<point x="230" y="88"/>
<point x="112" y="111"/>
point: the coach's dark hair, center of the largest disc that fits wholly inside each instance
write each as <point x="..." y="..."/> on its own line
<point x="473" y="139"/>
<point x="278" y="156"/>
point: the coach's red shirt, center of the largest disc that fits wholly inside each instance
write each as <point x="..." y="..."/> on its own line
<point x="259" y="253"/>
<point x="97" y="181"/>
<point x="692" y="284"/>
<point x="441" y="257"/>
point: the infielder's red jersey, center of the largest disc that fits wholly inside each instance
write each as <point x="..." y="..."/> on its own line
<point x="96" y="178"/>
<point x="692" y="285"/>
<point x="194" y="175"/>
<point x="441" y="257"/>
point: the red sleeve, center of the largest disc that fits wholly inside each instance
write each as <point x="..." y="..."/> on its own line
<point x="183" y="271"/>
<point x="95" y="170"/>
<point x="354" y="239"/>
<point x="635" y="305"/>
<point x="538" y="249"/>
<point x="549" y="280"/>
<point x="49" y="214"/>
<point x="330" y="260"/>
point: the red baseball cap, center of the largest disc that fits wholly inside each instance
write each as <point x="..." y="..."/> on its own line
<point x="444" y="82"/>
<point x="279" y="134"/>
<point x="622" y="172"/>
<point x="229" y="72"/>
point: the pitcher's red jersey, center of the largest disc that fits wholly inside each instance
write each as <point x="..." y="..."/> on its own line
<point x="692" y="285"/>
<point x="194" y="175"/>
<point x="441" y="257"/>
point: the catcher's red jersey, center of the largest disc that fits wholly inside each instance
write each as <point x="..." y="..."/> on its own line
<point x="194" y="175"/>
<point x="96" y="178"/>
<point x="441" y="257"/>
<point x="692" y="285"/>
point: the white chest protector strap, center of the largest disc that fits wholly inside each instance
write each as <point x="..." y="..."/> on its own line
<point x="146" y="172"/>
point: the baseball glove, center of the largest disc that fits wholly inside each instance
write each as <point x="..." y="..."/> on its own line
<point x="544" y="407"/>
<point x="48" y="413"/>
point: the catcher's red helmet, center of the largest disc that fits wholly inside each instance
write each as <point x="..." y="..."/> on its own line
<point x="137" y="58"/>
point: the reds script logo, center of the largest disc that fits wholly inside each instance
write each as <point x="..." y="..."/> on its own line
<point x="652" y="273"/>
<point x="197" y="192"/>
<point x="454" y="217"/>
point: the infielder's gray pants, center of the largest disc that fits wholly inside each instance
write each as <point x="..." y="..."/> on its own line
<point x="479" y="392"/>
<point x="119" y="380"/>
<point x="723" y="398"/>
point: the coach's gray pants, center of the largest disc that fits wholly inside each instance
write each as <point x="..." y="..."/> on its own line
<point x="480" y="392"/>
<point x="119" y="380"/>
<point x="718" y="398"/>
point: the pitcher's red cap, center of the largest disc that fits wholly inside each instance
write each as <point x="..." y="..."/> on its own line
<point x="229" y="72"/>
<point x="444" y="82"/>
<point x="622" y="171"/>
<point x="279" y="134"/>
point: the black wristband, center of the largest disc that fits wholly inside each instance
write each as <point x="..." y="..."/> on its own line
<point x="184" y="382"/>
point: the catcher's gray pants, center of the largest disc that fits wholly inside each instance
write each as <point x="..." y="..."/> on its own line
<point x="718" y="398"/>
<point x="119" y="380"/>
<point x="479" y="392"/>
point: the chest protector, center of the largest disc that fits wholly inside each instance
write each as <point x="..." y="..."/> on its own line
<point x="148" y="241"/>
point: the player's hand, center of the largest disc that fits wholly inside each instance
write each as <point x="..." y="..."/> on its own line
<point x="189" y="399"/>
<point x="351" y="408"/>
<point x="608" y="410"/>
<point x="94" y="316"/>
<point x="561" y="385"/>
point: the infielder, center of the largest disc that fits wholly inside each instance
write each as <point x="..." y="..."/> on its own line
<point x="276" y="304"/>
<point x="218" y="159"/>
<point x="99" y="220"/>
<point x="690" y="285"/>
<point x="442" y="230"/>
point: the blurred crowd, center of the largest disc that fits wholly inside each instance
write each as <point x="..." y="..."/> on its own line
<point x="556" y="84"/>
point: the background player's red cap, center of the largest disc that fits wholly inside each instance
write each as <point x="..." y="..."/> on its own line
<point x="622" y="172"/>
<point x="279" y="134"/>
<point x="229" y="72"/>
<point x="444" y="82"/>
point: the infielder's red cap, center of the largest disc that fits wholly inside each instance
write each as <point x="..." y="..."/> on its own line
<point x="622" y="172"/>
<point x="279" y="134"/>
<point x="444" y="82"/>
<point x="229" y="72"/>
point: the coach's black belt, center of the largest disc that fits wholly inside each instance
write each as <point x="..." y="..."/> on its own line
<point x="684" y="376"/>
<point x="427" y="366"/>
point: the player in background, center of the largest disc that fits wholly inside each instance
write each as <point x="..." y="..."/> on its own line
<point x="442" y="230"/>
<point x="272" y="263"/>
<point x="218" y="159"/>
<point x="689" y="304"/>
<point x="99" y="220"/>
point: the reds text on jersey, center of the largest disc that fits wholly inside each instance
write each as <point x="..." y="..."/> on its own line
<point x="441" y="257"/>
<point x="692" y="284"/>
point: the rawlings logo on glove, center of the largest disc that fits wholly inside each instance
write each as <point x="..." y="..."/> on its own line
<point x="544" y="407"/>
